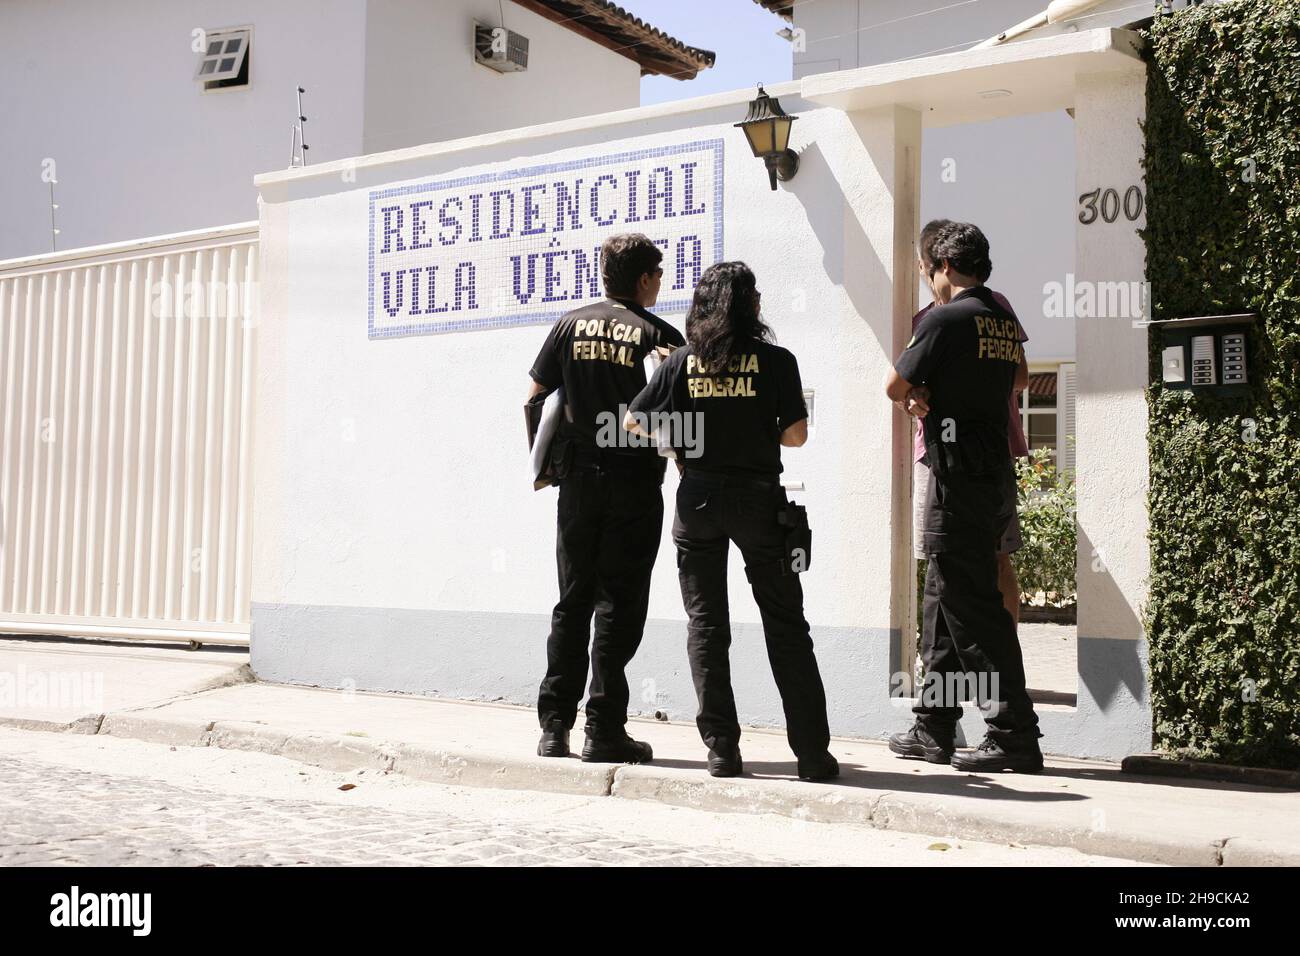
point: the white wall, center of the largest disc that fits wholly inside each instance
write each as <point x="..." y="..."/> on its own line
<point x="390" y="489"/>
<point x="436" y="418"/>
<point x="423" y="86"/>
<point x="1113" y="372"/>
<point x="107" y="91"/>
<point x="843" y="34"/>
<point x="1114" y="556"/>
<point x="1013" y="177"/>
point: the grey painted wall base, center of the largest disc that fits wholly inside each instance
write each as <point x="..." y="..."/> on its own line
<point x="502" y="657"/>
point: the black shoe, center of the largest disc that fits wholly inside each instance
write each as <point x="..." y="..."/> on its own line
<point x="622" y="749"/>
<point x="724" y="760"/>
<point x="554" y="742"/>
<point x="934" y="746"/>
<point x="821" y="767"/>
<point x="1020" y="754"/>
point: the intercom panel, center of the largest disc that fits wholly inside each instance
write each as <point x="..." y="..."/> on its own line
<point x="1203" y="360"/>
<point x="1206" y="352"/>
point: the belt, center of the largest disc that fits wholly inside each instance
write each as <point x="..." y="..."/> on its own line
<point x="592" y="458"/>
<point x="715" y="479"/>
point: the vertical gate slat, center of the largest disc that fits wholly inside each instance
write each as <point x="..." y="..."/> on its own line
<point x="66" y="444"/>
<point x="36" y="478"/>
<point x="148" y="372"/>
<point x="10" y="438"/>
<point x="230" y="426"/>
<point x="80" y="505"/>
<point x="121" y="580"/>
<point x="243" y="551"/>
<point x="211" y="424"/>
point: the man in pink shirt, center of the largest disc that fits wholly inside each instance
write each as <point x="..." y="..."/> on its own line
<point x="1008" y="585"/>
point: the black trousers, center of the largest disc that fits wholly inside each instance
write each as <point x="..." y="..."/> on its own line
<point x="969" y="645"/>
<point x="609" y="524"/>
<point x="711" y="513"/>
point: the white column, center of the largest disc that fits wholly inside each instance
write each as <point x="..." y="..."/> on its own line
<point x="1111" y="449"/>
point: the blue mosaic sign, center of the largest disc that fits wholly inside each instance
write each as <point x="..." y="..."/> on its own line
<point x="522" y="246"/>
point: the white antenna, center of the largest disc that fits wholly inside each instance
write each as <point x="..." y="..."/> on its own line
<point x="54" y="229"/>
<point x="297" y="144"/>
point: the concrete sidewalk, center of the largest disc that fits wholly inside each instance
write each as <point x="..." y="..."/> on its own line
<point x="184" y="699"/>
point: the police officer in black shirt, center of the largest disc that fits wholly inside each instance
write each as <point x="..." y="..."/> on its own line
<point x="610" y="503"/>
<point x="957" y="374"/>
<point x="739" y="397"/>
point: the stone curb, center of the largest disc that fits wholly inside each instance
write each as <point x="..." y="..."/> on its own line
<point x="813" y="802"/>
<point x="924" y="813"/>
<point x="1162" y="765"/>
<point x="345" y="753"/>
<point x="87" y="724"/>
<point x="1242" y="852"/>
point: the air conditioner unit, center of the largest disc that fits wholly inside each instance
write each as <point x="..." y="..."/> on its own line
<point x="503" y="50"/>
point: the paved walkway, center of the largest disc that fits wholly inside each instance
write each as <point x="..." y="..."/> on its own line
<point x="1051" y="659"/>
<point x="98" y="800"/>
<point x="1087" y="805"/>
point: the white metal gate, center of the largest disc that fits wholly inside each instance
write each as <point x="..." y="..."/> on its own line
<point x="126" y="380"/>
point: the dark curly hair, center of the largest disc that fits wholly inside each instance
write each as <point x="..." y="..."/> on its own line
<point x="724" y="314"/>
<point x="961" y="244"/>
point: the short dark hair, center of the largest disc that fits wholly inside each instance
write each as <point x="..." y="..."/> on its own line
<point x="960" y="243"/>
<point x="624" y="259"/>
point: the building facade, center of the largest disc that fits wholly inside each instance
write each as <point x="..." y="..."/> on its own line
<point x="369" y="370"/>
<point x="1014" y="176"/>
<point x="395" y="552"/>
<point x="111" y="101"/>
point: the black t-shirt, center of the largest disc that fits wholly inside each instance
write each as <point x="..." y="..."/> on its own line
<point x="967" y="352"/>
<point x="597" y="354"/>
<point x="736" y="414"/>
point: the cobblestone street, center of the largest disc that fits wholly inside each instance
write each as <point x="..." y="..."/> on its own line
<point x="58" y="816"/>
<point x="80" y="800"/>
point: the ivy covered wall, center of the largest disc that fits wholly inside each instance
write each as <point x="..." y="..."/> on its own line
<point x="1223" y="236"/>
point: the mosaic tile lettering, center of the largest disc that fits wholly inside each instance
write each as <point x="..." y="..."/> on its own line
<point x="522" y="246"/>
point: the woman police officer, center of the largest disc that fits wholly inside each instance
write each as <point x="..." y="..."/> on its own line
<point x="746" y="399"/>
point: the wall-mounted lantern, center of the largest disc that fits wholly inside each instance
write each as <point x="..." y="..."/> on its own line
<point x="767" y="127"/>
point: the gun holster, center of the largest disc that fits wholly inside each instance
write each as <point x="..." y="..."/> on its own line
<point x="798" y="538"/>
<point x="978" y="450"/>
<point x="941" y="455"/>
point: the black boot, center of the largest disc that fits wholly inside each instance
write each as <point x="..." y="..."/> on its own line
<point x="618" y="748"/>
<point x="1019" y="753"/>
<point x="933" y="744"/>
<point x="724" y="759"/>
<point x="554" y="742"/>
<point x="819" y="767"/>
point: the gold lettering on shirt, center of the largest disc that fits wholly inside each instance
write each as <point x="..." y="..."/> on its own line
<point x="597" y="350"/>
<point x="999" y="339"/>
<point x="606" y="340"/>
<point x="607" y="329"/>
<point x="702" y="382"/>
<point x="737" y="363"/>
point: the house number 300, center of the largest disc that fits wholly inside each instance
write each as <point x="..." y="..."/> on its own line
<point x="1106" y="204"/>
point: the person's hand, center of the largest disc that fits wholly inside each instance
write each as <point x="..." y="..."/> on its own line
<point x="917" y="402"/>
